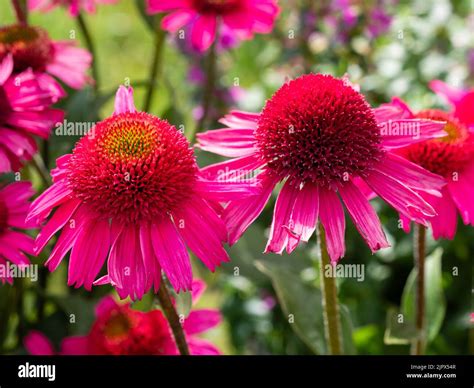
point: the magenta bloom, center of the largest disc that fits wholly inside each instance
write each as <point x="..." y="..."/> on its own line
<point x="13" y="209"/>
<point x="462" y="101"/>
<point x="452" y="157"/>
<point x="242" y="17"/>
<point x="120" y="330"/>
<point x="74" y="6"/>
<point x="25" y="101"/>
<point x="319" y="136"/>
<point x="131" y="193"/>
<point x="32" y="48"/>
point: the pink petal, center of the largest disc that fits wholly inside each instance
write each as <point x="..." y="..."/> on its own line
<point x="172" y="254"/>
<point x="224" y="191"/>
<point x="363" y="216"/>
<point x="401" y="197"/>
<point x="234" y="169"/>
<point x="451" y="94"/>
<point x="462" y="194"/>
<point x="281" y="218"/>
<point x="124" y="100"/>
<point x="176" y="20"/>
<point x="228" y="142"/>
<point x="202" y="320"/>
<point x="331" y="214"/>
<point x="444" y="224"/>
<point x="42" y="206"/>
<point x="304" y="216"/>
<point x="204" y="32"/>
<point x="404" y="132"/>
<point x="37" y="344"/>
<point x="6" y="68"/>
<point x="239" y="214"/>
<point x="203" y="231"/>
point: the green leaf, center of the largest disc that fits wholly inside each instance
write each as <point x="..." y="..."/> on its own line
<point x="435" y="303"/>
<point x="302" y="303"/>
<point x="398" y="330"/>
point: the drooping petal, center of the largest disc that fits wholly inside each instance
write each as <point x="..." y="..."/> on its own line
<point x="331" y="214"/>
<point x="199" y="321"/>
<point x="304" y="216"/>
<point x="404" y="132"/>
<point x="461" y="192"/>
<point x="230" y="142"/>
<point x="37" y="344"/>
<point x="282" y="218"/>
<point x="239" y="214"/>
<point x="363" y="216"/>
<point x="204" y="31"/>
<point x="172" y="254"/>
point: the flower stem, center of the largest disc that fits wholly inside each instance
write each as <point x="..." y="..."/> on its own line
<point x="208" y="91"/>
<point x="419" y="253"/>
<point x="332" y="319"/>
<point x="21" y="11"/>
<point x="173" y="318"/>
<point x="155" y="66"/>
<point x="40" y="167"/>
<point x="91" y="47"/>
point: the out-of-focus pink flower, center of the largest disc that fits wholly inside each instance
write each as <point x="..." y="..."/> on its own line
<point x="32" y="48"/>
<point x="131" y="194"/>
<point x="243" y="18"/>
<point x="462" y="101"/>
<point x="74" y="6"/>
<point x="452" y="157"/>
<point x="13" y="210"/>
<point x="120" y="330"/>
<point x="25" y="101"/>
<point x="319" y="136"/>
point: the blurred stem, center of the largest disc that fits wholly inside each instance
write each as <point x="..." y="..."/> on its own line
<point x="39" y="165"/>
<point x="208" y="91"/>
<point x="21" y="11"/>
<point x="20" y="296"/>
<point x="91" y="47"/>
<point x="173" y="318"/>
<point x="155" y="65"/>
<point x="332" y="319"/>
<point x="419" y="253"/>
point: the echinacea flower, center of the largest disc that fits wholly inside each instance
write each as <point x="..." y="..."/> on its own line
<point x="319" y="136"/>
<point x="120" y="330"/>
<point x="243" y="17"/>
<point x="74" y="6"/>
<point x="25" y="101"/>
<point x="462" y="101"/>
<point x="13" y="210"/>
<point x="131" y="193"/>
<point x="452" y="157"/>
<point x="32" y="48"/>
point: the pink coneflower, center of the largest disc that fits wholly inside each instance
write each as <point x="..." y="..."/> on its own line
<point x="462" y="101"/>
<point x="74" y="6"/>
<point x="32" y="48"/>
<point x="13" y="210"/>
<point x="25" y="101"/>
<point x="131" y="194"/>
<point x="320" y="136"/>
<point x="452" y="157"/>
<point x="243" y="17"/>
<point x="120" y="330"/>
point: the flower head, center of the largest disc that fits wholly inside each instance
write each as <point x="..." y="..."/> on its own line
<point x="74" y="6"/>
<point x="243" y="17"/>
<point x="120" y="330"/>
<point x="32" y="48"/>
<point x="25" y="110"/>
<point x="131" y="194"/>
<point x="13" y="210"/>
<point x="452" y="157"/>
<point x="319" y="136"/>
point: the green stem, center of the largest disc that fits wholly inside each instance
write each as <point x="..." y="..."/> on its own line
<point x="332" y="319"/>
<point x="208" y="91"/>
<point x="39" y="165"/>
<point x="173" y="318"/>
<point x="91" y="47"/>
<point x="419" y="254"/>
<point x="155" y="66"/>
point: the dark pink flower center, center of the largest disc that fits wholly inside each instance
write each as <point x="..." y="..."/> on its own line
<point x="3" y="216"/>
<point x="445" y="156"/>
<point x="132" y="167"/>
<point x="318" y="128"/>
<point x="216" y="6"/>
<point x="30" y="47"/>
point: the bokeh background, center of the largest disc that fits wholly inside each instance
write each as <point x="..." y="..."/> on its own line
<point x="272" y="304"/>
